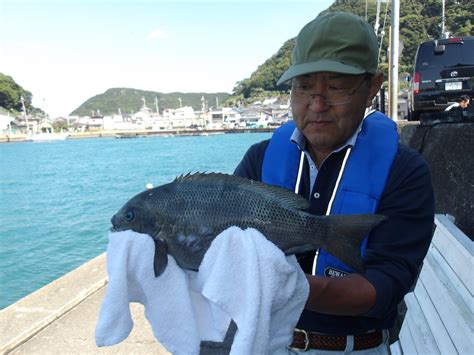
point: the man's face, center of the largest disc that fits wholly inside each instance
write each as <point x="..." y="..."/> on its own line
<point x="328" y="107"/>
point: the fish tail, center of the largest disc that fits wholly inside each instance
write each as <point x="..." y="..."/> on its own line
<point x="346" y="234"/>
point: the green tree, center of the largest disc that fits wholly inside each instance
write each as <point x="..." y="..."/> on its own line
<point x="130" y="101"/>
<point x="419" y="21"/>
<point x="11" y="93"/>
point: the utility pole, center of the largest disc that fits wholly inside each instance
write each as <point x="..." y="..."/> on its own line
<point x="443" y="18"/>
<point x="394" y="41"/>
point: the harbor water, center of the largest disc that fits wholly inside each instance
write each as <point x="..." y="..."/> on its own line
<point x="57" y="198"/>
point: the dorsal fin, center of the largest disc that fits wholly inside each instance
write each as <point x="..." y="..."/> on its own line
<point x="285" y="197"/>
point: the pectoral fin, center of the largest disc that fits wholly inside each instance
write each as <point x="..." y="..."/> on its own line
<point x="161" y="257"/>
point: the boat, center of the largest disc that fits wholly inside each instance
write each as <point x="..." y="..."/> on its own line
<point x="129" y="135"/>
<point x="46" y="137"/>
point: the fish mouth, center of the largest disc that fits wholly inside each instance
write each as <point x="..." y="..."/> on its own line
<point x="114" y="227"/>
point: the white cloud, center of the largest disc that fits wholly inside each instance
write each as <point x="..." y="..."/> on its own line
<point x="157" y="34"/>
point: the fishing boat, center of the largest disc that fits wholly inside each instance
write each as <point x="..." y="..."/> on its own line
<point x="128" y="135"/>
<point x="45" y="137"/>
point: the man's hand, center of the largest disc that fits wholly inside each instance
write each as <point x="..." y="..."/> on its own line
<point x="350" y="295"/>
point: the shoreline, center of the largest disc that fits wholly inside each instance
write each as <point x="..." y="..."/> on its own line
<point x="6" y="138"/>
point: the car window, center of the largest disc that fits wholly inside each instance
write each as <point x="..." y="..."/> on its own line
<point x="454" y="55"/>
<point x="433" y="66"/>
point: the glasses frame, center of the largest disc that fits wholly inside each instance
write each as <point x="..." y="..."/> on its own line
<point x="349" y="95"/>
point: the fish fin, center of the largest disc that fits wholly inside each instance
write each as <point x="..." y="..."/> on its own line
<point x="346" y="234"/>
<point x="284" y="197"/>
<point x="160" y="260"/>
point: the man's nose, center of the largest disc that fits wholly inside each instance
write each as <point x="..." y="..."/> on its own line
<point x="318" y="103"/>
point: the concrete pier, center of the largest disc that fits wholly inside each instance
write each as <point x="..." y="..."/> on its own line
<point x="60" y="318"/>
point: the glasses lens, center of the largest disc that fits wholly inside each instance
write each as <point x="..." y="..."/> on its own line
<point x="331" y="98"/>
<point x="334" y="94"/>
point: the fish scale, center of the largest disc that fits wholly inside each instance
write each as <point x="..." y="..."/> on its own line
<point x="184" y="216"/>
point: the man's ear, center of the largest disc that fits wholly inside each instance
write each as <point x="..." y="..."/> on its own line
<point x="375" y="84"/>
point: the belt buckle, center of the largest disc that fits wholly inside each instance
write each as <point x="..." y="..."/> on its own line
<point x="306" y="341"/>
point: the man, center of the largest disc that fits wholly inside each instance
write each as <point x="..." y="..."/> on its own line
<point x="345" y="164"/>
<point x="463" y="103"/>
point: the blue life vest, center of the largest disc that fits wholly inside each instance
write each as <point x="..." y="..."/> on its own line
<point x="362" y="182"/>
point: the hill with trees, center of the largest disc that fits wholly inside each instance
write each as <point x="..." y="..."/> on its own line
<point x="130" y="101"/>
<point x="10" y="97"/>
<point x="419" y="21"/>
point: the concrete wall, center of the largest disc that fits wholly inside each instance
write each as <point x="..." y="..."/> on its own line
<point x="448" y="150"/>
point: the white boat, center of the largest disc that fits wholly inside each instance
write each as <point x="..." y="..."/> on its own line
<point x="45" y="137"/>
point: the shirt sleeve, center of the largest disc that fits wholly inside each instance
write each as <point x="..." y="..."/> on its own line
<point x="396" y="249"/>
<point x="250" y="166"/>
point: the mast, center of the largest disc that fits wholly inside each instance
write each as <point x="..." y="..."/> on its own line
<point x="25" y="116"/>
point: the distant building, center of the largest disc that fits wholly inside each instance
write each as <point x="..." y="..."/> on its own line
<point x="117" y="122"/>
<point x="5" y="124"/>
<point x="256" y="118"/>
<point x="82" y="124"/>
<point x="270" y="101"/>
<point x="145" y="118"/>
<point x="179" y="118"/>
<point x="225" y="117"/>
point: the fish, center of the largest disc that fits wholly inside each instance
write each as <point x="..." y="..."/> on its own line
<point x="184" y="217"/>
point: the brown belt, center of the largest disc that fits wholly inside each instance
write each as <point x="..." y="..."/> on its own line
<point x="304" y="340"/>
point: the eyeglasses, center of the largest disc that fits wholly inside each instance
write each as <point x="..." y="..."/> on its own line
<point x="334" y="96"/>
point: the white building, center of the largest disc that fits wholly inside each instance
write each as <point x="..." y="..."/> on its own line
<point x="117" y="122"/>
<point x="225" y="117"/>
<point x="256" y="118"/>
<point x="178" y="118"/>
<point x="5" y="121"/>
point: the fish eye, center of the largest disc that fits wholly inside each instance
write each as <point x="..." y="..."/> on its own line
<point x="129" y="216"/>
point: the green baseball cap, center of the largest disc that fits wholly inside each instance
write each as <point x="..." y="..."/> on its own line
<point x="335" y="42"/>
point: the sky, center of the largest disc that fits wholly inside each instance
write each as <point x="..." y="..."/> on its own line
<point x="66" y="51"/>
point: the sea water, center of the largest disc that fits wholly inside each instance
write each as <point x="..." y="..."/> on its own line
<point x="57" y="198"/>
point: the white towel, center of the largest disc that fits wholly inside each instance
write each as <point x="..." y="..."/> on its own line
<point x="243" y="277"/>
<point x="263" y="291"/>
<point x="167" y="302"/>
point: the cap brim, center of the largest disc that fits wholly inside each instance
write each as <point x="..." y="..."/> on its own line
<point x="319" y="66"/>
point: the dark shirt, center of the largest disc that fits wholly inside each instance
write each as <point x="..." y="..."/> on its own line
<point x="395" y="249"/>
